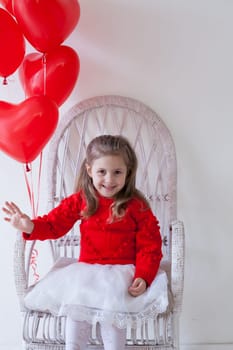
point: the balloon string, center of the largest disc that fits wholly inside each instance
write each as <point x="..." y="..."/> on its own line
<point x="30" y="186"/>
<point x="44" y="71"/>
<point x="34" y="207"/>
<point x="39" y="181"/>
<point x="30" y="189"/>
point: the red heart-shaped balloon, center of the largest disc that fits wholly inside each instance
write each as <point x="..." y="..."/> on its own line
<point x="12" y="44"/>
<point x="46" y="23"/>
<point x="26" y="128"/>
<point x="60" y="67"/>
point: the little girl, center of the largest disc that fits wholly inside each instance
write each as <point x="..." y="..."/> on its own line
<point x="117" y="273"/>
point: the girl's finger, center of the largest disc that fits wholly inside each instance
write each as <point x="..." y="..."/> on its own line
<point x="7" y="219"/>
<point x="14" y="207"/>
<point x="6" y="210"/>
<point x="9" y="207"/>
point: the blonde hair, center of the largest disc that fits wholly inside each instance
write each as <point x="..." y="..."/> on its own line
<point x="101" y="146"/>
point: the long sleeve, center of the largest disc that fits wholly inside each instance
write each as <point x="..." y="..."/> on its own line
<point x="148" y="245"/>
<point x="58" y="221"/>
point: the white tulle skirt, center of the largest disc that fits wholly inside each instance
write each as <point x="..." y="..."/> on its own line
<point x="96" y="293"/>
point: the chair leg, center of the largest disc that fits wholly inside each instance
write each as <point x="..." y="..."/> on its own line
<point x="176" y="328"/>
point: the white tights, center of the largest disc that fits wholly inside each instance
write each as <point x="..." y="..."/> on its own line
<point x="78" y="333"/>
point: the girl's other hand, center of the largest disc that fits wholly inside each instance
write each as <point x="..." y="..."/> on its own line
<point x="18" y="220"/>
<point x="138" y="287"/>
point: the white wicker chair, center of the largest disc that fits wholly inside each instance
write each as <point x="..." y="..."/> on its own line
<point x="156" y="178"/>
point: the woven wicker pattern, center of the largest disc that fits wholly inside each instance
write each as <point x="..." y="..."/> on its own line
<point x="156" y="178"/>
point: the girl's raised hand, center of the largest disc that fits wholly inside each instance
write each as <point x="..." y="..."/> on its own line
<point x="18" y="220"/>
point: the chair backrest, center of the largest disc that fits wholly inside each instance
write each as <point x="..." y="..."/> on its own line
<point x="151" y="139"/>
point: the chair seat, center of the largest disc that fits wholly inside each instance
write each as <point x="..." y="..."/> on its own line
<point x="96" y="287"/>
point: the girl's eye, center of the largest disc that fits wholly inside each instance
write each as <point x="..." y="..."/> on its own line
<point x="118" y="172"/>
<point x="101" y="171"/>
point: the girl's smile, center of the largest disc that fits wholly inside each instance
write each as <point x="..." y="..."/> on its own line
<point x="108" y="174"/>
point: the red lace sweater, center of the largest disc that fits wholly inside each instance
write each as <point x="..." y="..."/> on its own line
<point x="134" y="239"/>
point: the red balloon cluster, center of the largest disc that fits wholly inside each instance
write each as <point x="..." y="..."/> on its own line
<point x="47" y="76"/>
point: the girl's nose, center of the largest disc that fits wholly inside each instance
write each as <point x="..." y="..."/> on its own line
<point x="108" y="177"/>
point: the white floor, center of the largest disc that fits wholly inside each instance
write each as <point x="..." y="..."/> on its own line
<point x="207" y="347"/>
<point x="183" y="347"/>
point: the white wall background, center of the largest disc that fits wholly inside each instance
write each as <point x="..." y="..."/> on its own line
<point x="177" y="57"/>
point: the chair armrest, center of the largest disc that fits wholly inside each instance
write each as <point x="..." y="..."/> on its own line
<point x="177" y="263"/>
<point x="21" y="267"/>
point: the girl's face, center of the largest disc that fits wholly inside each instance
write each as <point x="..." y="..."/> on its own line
<point x="108" y="175"/>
